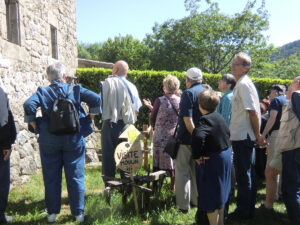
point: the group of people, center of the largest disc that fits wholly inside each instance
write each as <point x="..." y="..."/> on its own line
<point x="217" y="136"/>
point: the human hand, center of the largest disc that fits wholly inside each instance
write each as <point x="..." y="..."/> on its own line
<point x="201" y="160"/>
<point x="148" y="103"/>
<point x="261" y="141"/>
<point x="6" y="154"/>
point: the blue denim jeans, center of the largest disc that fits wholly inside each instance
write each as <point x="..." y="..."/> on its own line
<point x="244" y="163"/>
<point x="69" y="156"/>
<point x="4" y="184"/>
<point x="291" y="184"/>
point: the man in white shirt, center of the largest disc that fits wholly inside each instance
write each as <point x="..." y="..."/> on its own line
<point x="244" y="130"/>
<point x="121" y="103"/>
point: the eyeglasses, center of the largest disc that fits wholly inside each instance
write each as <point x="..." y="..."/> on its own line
<point x="236" y="64"/>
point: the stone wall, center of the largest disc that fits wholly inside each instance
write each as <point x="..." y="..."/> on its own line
<point x="22" y="67"/>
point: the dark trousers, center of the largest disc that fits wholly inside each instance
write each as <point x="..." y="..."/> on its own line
<point x="291" y="184"/>
<point x="4" y="183"/>
<point x="109" y="140"/>
<point x="244" y="163"/>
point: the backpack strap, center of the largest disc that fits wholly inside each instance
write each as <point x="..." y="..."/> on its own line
<point x="58" y="95"/>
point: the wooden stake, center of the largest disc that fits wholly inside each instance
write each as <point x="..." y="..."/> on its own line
<point x="145" y="132"/>
<point x="134" y="195"/>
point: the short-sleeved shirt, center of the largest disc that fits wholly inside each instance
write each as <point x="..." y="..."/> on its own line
<point x="188" y="107"/>
<point x="224" y="108"/>
<point x="245" y="97"/>
<point x="276" y="104"/>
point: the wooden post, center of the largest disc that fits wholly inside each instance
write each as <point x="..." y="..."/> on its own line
<point x="134" y="195"/>
<point x="145" y="133"/>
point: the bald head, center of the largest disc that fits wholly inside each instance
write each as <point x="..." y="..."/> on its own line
<point x="120" y="68"/>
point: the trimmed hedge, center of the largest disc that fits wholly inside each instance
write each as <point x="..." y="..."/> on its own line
<point x="149" y="83"/>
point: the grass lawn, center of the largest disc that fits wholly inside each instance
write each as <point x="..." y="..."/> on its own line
<point x="26" y="204"/>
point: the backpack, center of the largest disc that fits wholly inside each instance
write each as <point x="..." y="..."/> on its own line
<point x="64" y="117"/>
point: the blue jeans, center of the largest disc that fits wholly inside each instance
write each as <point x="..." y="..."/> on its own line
<point x="69" y="156"/>
<point x="4" y="184"/>
<point x="109" y="140"/>
<point x="244" y="163"/>
<point x="291" y="184"/>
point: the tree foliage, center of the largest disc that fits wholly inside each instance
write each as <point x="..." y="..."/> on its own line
<point x="133" y="51"/>
<point x="208" y="40"/>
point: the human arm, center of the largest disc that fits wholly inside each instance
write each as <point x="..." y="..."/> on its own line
<point x="296" y="104"/>
<point x="148" y="104"/>
<point x="254" y="120"/>
<point x="199" y="137"/>
<point x="92" y="99"/>
<point x="189" y="124"/>
<point x="154" y="112"/>
<point x="270" y="123"/>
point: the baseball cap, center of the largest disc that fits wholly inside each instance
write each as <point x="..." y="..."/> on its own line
<point x="194" y="73"/>
<point x="279" y="87"/>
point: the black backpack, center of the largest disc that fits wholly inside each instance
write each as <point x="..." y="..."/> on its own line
<point x="64" y="116"/>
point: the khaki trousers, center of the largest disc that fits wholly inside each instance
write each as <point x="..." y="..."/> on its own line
<point x="185" y="180"/>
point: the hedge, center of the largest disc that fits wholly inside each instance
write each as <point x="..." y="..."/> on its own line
<point x="149" y="83"/>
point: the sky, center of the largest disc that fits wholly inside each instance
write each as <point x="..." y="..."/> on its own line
<point x="98" y="20"/>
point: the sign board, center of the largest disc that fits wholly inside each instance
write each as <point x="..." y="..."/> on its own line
<point x="128" y="154"/>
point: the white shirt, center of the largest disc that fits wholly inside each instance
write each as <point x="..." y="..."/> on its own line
<point x="245" y="97"/>
<point x="136" y="99"/>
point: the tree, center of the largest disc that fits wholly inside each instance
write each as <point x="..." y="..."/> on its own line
<point x="134" y="52"/>
<point x="209" y="40"/>
<point x="83" y="52"/>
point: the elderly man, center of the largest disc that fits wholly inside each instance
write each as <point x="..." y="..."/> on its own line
<point x="288" y="143"/>
<point x="121" y="103"/>
<point x="66" y="150"/>
<point x="273" y="165"/>
<point x="7" y="138"/>
<point x="185" y="181"/>
<point x="244" y="129"/>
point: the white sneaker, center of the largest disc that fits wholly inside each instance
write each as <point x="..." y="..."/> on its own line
<point x="51" y="218"/>
<point x="80" y="218"/>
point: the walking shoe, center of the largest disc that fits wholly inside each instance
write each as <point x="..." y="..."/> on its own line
<point x="80" y="218"/>
<point x="6" y="219"/>
<point x="51" y="218"/>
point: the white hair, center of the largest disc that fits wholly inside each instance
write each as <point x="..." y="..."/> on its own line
<point x="55" y="71"/>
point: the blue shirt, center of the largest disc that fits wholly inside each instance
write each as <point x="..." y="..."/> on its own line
<point x="188" y="107"/>
<point x="276" y="104"/>
<point x="224" y="108"/>
<point x="44" y="98"/>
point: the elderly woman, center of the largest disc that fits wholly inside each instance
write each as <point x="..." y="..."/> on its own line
<point x="64" y="150"/>
<point x="164" y="116"/>
<point x="211" y="150"/>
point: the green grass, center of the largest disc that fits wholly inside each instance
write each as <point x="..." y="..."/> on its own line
<point x="26" y="204"/>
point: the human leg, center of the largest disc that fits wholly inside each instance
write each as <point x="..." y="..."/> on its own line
<point x="109" y="140"/>
<point x="51" y="159"/>
<point x="244" y="163"/>
<point x="73" y="162"/>
<point x="213" y="217"/>
<point x="185" y="182"/>
<point x="291" y="184"/>
<point x="4" y="187"/>
<point x="271" y="186"/>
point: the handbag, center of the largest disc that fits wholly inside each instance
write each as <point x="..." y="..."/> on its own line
<point x="173" y="143"/>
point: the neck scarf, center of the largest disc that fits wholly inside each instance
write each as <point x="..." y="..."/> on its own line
<point x="3" y="108"/>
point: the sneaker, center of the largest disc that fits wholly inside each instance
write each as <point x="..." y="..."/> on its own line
<point x="6" y="219"/>
<point x="80" y="218"/>
<point x="51" y="218"/>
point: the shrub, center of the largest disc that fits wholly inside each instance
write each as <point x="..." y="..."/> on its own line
<point x="149" y="83"/>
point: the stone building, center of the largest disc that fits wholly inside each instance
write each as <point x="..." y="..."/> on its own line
<point x="33" y="34"/>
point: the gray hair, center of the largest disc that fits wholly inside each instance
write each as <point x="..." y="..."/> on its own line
<point x="55" y="71"/>
<point x="246" y="59"/>
<point x="229" y="79"/>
